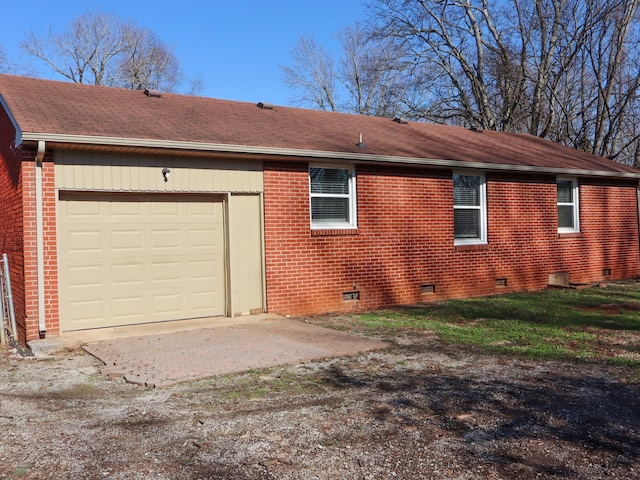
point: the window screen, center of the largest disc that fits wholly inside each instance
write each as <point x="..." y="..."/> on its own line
<point x="567" y="205"/>
<point x="468" y="203"/>
<point x="332" y="197"/>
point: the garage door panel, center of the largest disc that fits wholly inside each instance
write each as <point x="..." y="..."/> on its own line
<point x="134" y="259"/>
<point x="203" y="209"/>
<point x="128" y="308"/>
<point x="85" y="276"/>
<point x="126" y="210"/>
<point x="127" y="276"/>
<point x="83" y="210"/>
<point x="167" y="305"/>
<point x="203" y="270"/>
<point x="204" y="237"/>
<point x="83" y="311"/>
<point x="127" y="241"/>
<point x="169" y="209"/>
<point x="82" y="241"/>
<point x="167" y="239"/>
<point x="200" y="301"/>
<point x="166" y="272"/>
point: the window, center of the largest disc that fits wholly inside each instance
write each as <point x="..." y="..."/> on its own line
<point x="333" y="193"/>
<point x="568" y="214"/>
<point x="469" y="209"/>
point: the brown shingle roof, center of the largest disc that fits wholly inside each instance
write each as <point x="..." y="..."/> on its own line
<point x="61" y="108"/>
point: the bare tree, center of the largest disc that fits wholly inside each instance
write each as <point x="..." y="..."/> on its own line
<point x="146" y="62"/>
<point x="86" y="53"/>
<point x="5" y="66"/>
<point x="568" y="70"/>
<point x="312" y="76"/>
<point x="13" y="66"/>
<point x="479" y="70"/>
<point x="101" y="49"/>
<point x="446" y="36"/>
<point x="612" y="63"/>
<point x="368" y="77"/>
<point x="372" y="73"/>
<point x="195" y="86"/>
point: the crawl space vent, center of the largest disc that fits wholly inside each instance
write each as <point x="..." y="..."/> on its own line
<point x="350" y="296"/>
<point x="428" y="288"/>
<point x="501" y="282"/>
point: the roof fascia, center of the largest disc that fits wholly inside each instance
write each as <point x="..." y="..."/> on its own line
<point x="326" y="155"/>
<point x="6" y="108"/>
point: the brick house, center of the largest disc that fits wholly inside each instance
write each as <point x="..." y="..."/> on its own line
<point x="123" y="207"/>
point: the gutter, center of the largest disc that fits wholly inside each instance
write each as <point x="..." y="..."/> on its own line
<point x="292" y="152"/>
<point x="42" y="326"/>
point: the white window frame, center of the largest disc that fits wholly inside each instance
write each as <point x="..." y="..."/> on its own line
<point x="482" y="238"/>
<point x="352" y="223"/>
<point x="575" y="204"/>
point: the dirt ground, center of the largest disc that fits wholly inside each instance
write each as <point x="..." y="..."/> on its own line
<point x="418" y="410"/>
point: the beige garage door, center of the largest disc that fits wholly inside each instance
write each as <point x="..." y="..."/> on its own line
<point x="128" y="259"/>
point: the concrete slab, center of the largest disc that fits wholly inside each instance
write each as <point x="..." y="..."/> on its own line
<point x="74" y="340"/>
<point x="159" y="360"/>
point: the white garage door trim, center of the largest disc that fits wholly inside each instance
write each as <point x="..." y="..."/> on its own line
<point x="138" y="258"/>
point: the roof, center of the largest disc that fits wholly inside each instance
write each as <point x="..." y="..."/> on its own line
<point x="72" y="113"/>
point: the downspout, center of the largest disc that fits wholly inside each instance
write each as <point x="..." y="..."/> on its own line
<point x="42" y="325"/>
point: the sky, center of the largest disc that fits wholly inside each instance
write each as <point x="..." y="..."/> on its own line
<point x="235" y="47"/>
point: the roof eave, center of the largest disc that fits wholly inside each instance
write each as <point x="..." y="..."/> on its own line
<point x="291" y="152"/>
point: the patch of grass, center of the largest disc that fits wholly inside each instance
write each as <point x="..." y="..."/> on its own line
<point x="257" y="384"/>
<point x="591" y="324"/>
<point x="20" y="472"/>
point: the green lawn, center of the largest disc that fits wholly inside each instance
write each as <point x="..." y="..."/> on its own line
<point x="598" y="323"/>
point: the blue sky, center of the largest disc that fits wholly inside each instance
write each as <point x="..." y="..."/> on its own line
<point x="235" y="46"/>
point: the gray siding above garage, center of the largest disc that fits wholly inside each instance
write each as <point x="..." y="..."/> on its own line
<point x="136" y="173"/>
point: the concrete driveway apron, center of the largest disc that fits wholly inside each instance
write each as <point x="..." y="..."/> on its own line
<point x="164" y="359"/>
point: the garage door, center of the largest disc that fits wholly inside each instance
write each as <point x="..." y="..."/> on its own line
<point x="129" y="259"/>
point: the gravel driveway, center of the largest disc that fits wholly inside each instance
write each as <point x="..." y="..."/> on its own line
<point x="417" y="410"/>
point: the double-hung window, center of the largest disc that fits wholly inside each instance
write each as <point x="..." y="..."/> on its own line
<point x="568" y="212"/>
<point x="333" y="196"/>
<point x="469" y="209"/>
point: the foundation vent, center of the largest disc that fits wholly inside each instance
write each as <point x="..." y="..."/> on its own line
<point x="501" y="282"/>
<point x="606" y="272"/>
<point x="559" y="279"/>
<point x="348" y="296"/>
<point x="428" y="288"/>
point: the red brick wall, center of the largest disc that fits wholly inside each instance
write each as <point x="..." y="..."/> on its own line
<point x="52" y="321"/>
<point x="18" y="232"/>
<point x="11" y="215"/>
<point x="405" y="239"/>
<point x="50" y="245"/>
